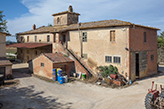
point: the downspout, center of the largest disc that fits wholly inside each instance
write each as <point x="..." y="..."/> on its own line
<point x="80" y="38"/>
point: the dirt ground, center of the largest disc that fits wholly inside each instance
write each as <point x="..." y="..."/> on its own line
<point x="33" y="93"/>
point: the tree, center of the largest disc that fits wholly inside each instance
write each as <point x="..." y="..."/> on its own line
<point x="3" y="27"/>
<point x="49" y="24"/>
<point x="160" y="40"/>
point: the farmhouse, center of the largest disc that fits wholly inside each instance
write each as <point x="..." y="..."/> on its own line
<point x="132" y="48"/>
<point x="5" y="65"/>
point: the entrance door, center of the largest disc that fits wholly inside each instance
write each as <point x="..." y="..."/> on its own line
<point x="64" y="38"/>
<point x="137" y="65"/>
<point x="2" y="70"/>
<point x="27" y="58"/>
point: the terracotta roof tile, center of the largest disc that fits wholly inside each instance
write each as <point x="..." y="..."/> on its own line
<point x="57" y="57"/>
<point x="65" y="12"/>
<point x="87" y="25"/>
<point x="4" y="61"/>
<point x="28" y="45"/>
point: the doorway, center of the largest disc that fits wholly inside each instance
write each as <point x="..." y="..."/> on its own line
<point x="27" y="58"/>
<point x="64" y="38"/>
<point x="137" y="65"/>
<point x="2" y="70"/>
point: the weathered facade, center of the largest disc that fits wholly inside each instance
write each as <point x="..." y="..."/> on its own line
<point x="130" y="47"/>
<point x="5" y="65"/>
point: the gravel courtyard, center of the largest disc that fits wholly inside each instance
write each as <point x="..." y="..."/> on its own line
<point x="33" y="93"/>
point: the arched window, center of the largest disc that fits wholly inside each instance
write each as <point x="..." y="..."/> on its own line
<point x="27" y="38"/>
<point x="58" y="20"/>
<point x="48" y="38"/>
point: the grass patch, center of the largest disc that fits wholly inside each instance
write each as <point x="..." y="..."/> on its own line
<point x="12" y="50"/>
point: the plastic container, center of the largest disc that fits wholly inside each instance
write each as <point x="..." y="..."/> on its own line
<point x="65" y="79"/>
<point x="60" y="72"/>
<point x="61" y="80"/>
<point x="54" y="75"/>
<point x="113" y="76"/>
<point x="83" y="76"/>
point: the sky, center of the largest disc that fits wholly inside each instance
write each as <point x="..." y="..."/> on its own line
<point x="22" y="14"/>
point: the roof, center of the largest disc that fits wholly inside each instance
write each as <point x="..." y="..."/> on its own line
<point x="28" y="45"/>
<point x="65" y="12"/>
<point x="87" y="25"/>
<point x="57" y="57"/>
<point x="43" y="29"/>
<point x="4" y="61"/>
<point x="104" y="24"/>
<point x="7" y="34"/>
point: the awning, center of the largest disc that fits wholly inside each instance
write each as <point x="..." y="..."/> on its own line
<point x="28" y="45"/>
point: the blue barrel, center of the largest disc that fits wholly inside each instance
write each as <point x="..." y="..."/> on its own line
<point x="54" y="75"/>
<point x="61" y="80"/>
<point x="59" y="73"/>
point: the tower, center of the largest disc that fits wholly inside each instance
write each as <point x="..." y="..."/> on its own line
<point x="65" y="18"/>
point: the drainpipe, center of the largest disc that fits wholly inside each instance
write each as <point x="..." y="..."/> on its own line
<point x="81" y="45"/>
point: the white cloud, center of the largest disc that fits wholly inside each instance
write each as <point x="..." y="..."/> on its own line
<point x="136" y="11"/>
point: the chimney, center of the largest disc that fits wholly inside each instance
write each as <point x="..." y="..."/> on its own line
<point x="34" y="27"/>
<point x="70" y="9"/>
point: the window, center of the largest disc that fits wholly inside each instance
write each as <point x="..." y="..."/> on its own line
<point x="35" y="38"/>
<point x="108" y="59"/>
<point x="152" y="57"/>
<point x="42" y="64"/>
<point x="48" y="38"/>
<point x="54" y="38"/>
<point x="85" y="56"/>
<point x="27" y="51"/>
<point x="27" y="38"/>
<point x="144" y="36"/>
<point x="21" y="51"/>
<point x="84" y="37"/>
<point x="58" y="20"/>
<point x="112" y="35"/>
<point x="36" y="52"/>
<point x="39" y="40"/>
<point x="117" y="59"/>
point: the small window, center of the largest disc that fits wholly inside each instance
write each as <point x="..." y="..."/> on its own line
<point x="21" y="51"/>
<point x="58" y="20"/>
<point x="39" y="40"/>
<point x="116" y="59"/>
<point x="36" y="52"/>
<point x="48" y="38"/>
<point x="108" y="59"/>
<point x="144" y="36"/>
<point x="35" y="38"/>
<point x="42" y="64"/>
<point x="152" y="57"/>
<point x="54" y="38"/>
<point x="27" y="38"/>
<point x="112" y="35"/>
<point x="85" y="56"/>
<point x="27" y="51"/>
<point x="84" y="37"/>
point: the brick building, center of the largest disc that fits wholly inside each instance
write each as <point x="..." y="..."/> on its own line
<point x="44" y="64"/>
<point x="132" y="48"/>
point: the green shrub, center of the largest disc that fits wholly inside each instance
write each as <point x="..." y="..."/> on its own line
<point x="107" y="70"/>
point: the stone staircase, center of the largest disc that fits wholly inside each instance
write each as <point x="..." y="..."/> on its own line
<point x="80" y="64"/>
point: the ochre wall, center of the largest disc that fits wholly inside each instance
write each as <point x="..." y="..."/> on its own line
<point x="2" y="45"/>
<point x="98" y="46"/>
<point x="42" y="37"/>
